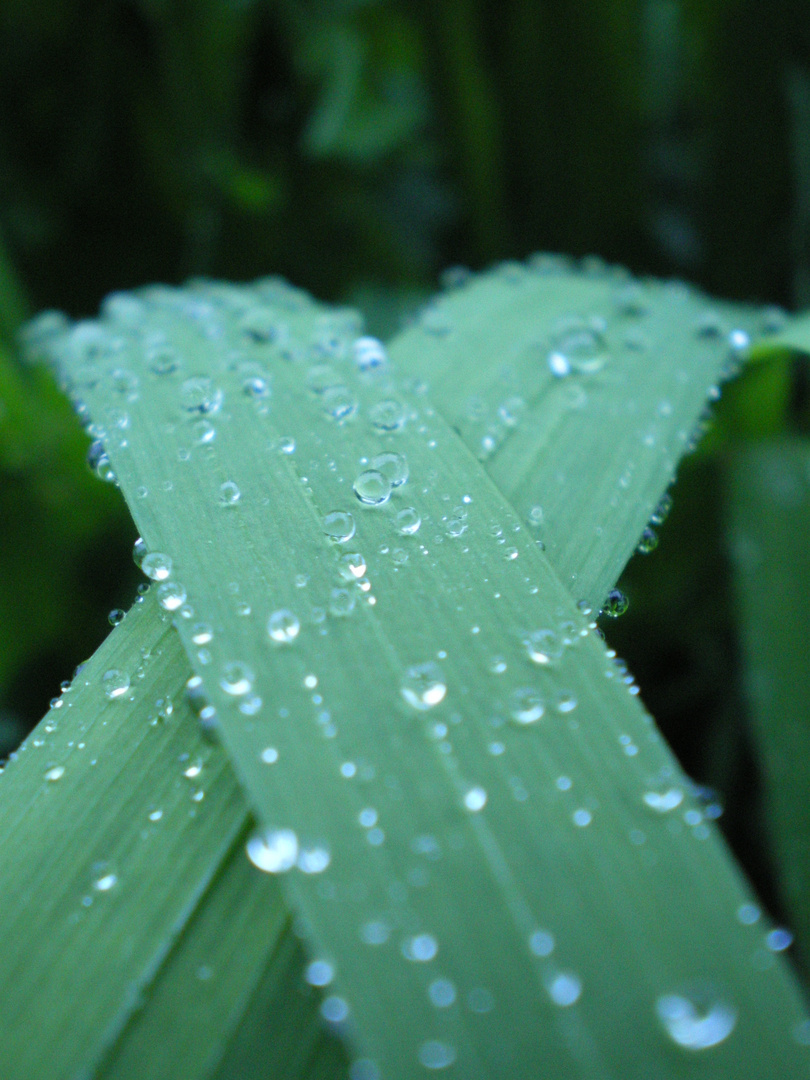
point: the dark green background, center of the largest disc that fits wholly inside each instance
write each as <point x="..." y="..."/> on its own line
<point x="358" y="148"/>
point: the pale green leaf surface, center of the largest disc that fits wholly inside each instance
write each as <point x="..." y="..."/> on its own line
<point x="770" y="526"/>
<point x="795" y="335"/>
<point x="584" y="456"/>
<point x="479" y="884"/>
<point x="85" y="873"/>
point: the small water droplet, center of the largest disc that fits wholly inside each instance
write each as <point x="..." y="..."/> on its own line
<point x="55" y="773"/>
<point x="696" y="1021"/>
<point x="339" y="526"/>
<point x="779" y="939"/>
<point x="116" y="617"/>
<point x="543" y="646"/>
<point x="423" y="686"/>
<point x="434" y="1054"/>
<point x="615" y="604"/>
<point x="171" y="595"/>
<point x="342" y="602"/>
<point x="155" y="565"/>
<point x="748" y="914"/>
<point x="283" y="627"/>
<point x="408" y="521"/>
<point x="661" y="512"/>
<point x="229" y="493"/>
<point x="475" y="799"/>
<point x="664" y="801"/>
<point x="648" y="541"/>
<point x="441" y="993"/>
<point x="564" y="988"/>
<point x="105" y="882"/>
<point x="369" y="353"/>
<point x="541" y="943"/>
<point x="526" y="705"/>
<point x="334" y="1009"/>
<point x="274" y="851"/>
<point x="202" y="634"/>
<point x="256" y="387"/>
<point x="339" y="403"/>
<point x="313" y="859"/>
<point x="319" y="973"/>
<point x="237" y="678"/>
<point x="387" y="415"/>
<point x="200" y="394"/>
<point x="420" y="947"/>
<point x="352" y="566"/>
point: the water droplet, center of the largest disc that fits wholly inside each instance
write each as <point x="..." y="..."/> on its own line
<point x="565" y="701"/>
<point x="709" y="326"/>
<point x="393" y="466"/>
<point x="274" y="851"/>
<point x="456" y="527"/>
<point x="202" y="634"/>
<point x="475" y="799"/>
<point x="171" y="595"/>
<point x="616" y="603"/>
<point x="204" y="432"/>
<point x="441" y="993"/>
<point x="420" y="947"/>
<point x="339" y="526"/>
<point x="283" y="627"/>
<point x="369" y="353"/>
<point x="631" y="300"/>
<point x="237" y="678"/>
<point x="256" y="387"/>
<point x="526" y="705"/>
<point x="105" y="882"/>
<point x="748" y="914"/>
<point x="779" y="939"/>
<point x="341" y="602"/>
<point x="541" y="943"/>
<point x="269" y="755"/>
<point x="229" y="493"/>
<point x="564" y="988"/>
<point x="697" y="1021"/>
<point x="372" y="487"/>
<point x="286" y="444"/>
<point x="319" y="973"/>
<point x="423" y="686"/>
<point x="115" y="683"/>
<point x="155" y="565"/>
<point x="408" y="521"/>
<point x="260" y="325"/>
<point x="54" y="774"/>
<point x="162" y="360"/>
<point x="582" y="817"/>
<point x="201" y="395"/>
<point x="339" y="403"/>
<point x="313" y="859"/>
<point x="116" y="617"/>
<point x="579" y="346"/>
<point x="387" y="415"/>
<point x="648" y="541"/>
<point x="664" y="801"/>
<point x="434" y="1054"/>
<point x="543" y="646"/>
<point x="375" y="932"/>
<point x="352" y="566"/>
<point x="661" y="512"/>
<point x="334" y="1009"/>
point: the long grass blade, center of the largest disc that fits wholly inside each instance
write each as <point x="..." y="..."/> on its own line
<point x="521" y="866"/>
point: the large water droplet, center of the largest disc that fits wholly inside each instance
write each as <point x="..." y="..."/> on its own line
<point x="696" y="1021"/>
<point x="564" y="988"/>
<point x="615" y="604"/>
<point x="171" y="595"/>
<point x="115" y="683"/>
<point x="578" y="346"/>
<point x="274" y="851"/>
<point x="423" y="686"/>
<point x="372" y="487"/>
<point x="543" y="646"/>
<point x="664" y="801"/>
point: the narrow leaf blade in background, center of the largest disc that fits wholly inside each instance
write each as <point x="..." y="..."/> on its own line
<point x="769" y="530"/>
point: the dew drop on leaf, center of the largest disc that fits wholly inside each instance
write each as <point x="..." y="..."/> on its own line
<point x="339" y="526"/>
<point x="283" y="627"/>
<point x="423" y="686"/>
<point x="696" y="1021"/>
<point x="274" y="851"/>
<point x="372" y="487"/>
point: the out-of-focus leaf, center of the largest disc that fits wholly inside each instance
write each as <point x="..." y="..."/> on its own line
<point x="769" y="530"/>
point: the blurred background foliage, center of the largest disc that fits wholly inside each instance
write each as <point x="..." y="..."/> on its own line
<point x="358" y="147"/>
